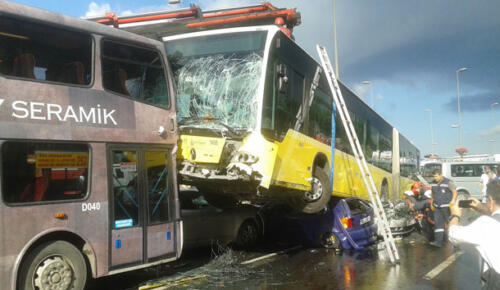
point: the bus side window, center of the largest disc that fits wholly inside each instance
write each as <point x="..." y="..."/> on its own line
<point x="372" y="151"/>
<point x="268" y="108"/>
<point x="37" y="172"/>
<point x="341" y="141"/>
<point x="134" y="72"/>
<point x="320" y="117"/>
<point x="158" y="189"/>
<point x="41" y="52"/>
<point x="125" y="188"/>
<point x="288" y="100"/>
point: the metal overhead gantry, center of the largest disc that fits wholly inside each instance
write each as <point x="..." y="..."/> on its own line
<point x="165" y="23"/>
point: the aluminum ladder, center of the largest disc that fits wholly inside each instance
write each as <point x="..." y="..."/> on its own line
<point x="390" y="246"/>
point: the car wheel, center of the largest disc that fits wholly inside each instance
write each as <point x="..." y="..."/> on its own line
<point x="53" y="265"/>
<point x="329" y="240"/>
<point x="248" y="235"/>
<point x="317" y="199"/>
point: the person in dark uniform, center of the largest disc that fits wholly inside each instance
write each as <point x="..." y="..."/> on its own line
<point x="444" y="192"/>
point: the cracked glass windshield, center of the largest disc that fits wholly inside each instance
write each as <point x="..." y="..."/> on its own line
<point x="217" y="79"/>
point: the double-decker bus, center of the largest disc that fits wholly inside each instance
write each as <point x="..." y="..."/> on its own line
<point x="255" y="116"/>
<point x="88" y="137"/>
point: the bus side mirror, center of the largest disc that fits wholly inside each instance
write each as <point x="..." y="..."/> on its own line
<point x="282" y="73"/>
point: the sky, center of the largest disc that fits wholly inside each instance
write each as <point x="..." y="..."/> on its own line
<point x="408" y="50"/>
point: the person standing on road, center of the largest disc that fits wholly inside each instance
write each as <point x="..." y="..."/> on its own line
<point x="497" y="173"/>
<point x="483" y="233"/>
<point x="444" y="192"/>
<point x="491" y="176"/>
<point x="483" y="182"/>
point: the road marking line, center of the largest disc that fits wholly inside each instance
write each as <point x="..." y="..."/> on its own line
<point x="270" y="255"/>
<point x="439" y="268"/>
<point x="169" y="284"/>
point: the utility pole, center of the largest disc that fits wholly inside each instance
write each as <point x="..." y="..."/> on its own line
<point x="458" y="106"/>
<point x="335" y="40"/>
<point x="432" y="131"/>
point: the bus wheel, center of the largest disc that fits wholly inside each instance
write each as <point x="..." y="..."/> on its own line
<point x="53" y="265"/>
<point x="317" y="199"/>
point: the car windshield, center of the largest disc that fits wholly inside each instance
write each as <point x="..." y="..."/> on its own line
<point x="429" y="169"/>
<point x="357" y="206"/>
<point x="217" y="79"/>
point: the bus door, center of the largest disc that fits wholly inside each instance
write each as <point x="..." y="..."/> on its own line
<point x="142" y="226"/>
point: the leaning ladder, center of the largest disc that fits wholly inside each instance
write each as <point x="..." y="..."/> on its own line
<point x="390" y="246"/>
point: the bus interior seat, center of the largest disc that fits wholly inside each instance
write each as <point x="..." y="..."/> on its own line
<point x="114" y="79"/>
<point x="24" y="66"/>
<point x="73" y="73"/>
<point x="41" y="185"/>
<point x="35" y="190"/>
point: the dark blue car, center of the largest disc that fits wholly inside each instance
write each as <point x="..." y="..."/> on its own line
<point x="347" y="224"/>
<point x="354" y="223"/>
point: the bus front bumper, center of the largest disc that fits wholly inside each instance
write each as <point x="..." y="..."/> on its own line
<point x="236" y="174"/>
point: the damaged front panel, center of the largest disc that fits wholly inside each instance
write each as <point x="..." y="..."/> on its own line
<point x="249" y="161"/>
<point x="218" y="79"/>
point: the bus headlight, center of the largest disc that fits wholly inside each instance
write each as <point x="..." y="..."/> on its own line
<point x="244" y="157"/>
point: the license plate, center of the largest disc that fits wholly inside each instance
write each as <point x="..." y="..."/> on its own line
<point x="365" y="220"/>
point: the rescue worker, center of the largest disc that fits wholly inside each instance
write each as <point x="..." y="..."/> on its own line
<point x="421" y="207"/>
<point x="444" y="192"/>
<point x="418" y="189"/>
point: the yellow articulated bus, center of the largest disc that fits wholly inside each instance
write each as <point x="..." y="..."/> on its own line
<point x="255" y="112"/>
<point x="255" y="116"/>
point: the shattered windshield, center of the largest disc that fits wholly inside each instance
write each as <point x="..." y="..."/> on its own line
<point x="217" y="78"/>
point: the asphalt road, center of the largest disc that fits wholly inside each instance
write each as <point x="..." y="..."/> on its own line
<point x="445" y="268"/>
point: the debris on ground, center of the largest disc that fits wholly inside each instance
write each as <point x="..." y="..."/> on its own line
<point x="225" y="264"/>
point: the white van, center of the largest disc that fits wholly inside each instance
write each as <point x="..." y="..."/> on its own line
<point x="465" y="174"/>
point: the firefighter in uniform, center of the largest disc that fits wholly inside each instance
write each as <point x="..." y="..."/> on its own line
<point x="444" y="192"/>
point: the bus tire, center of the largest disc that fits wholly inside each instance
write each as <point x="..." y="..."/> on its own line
<point x="317" y="199"/>
<point x="51" y="265"/>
